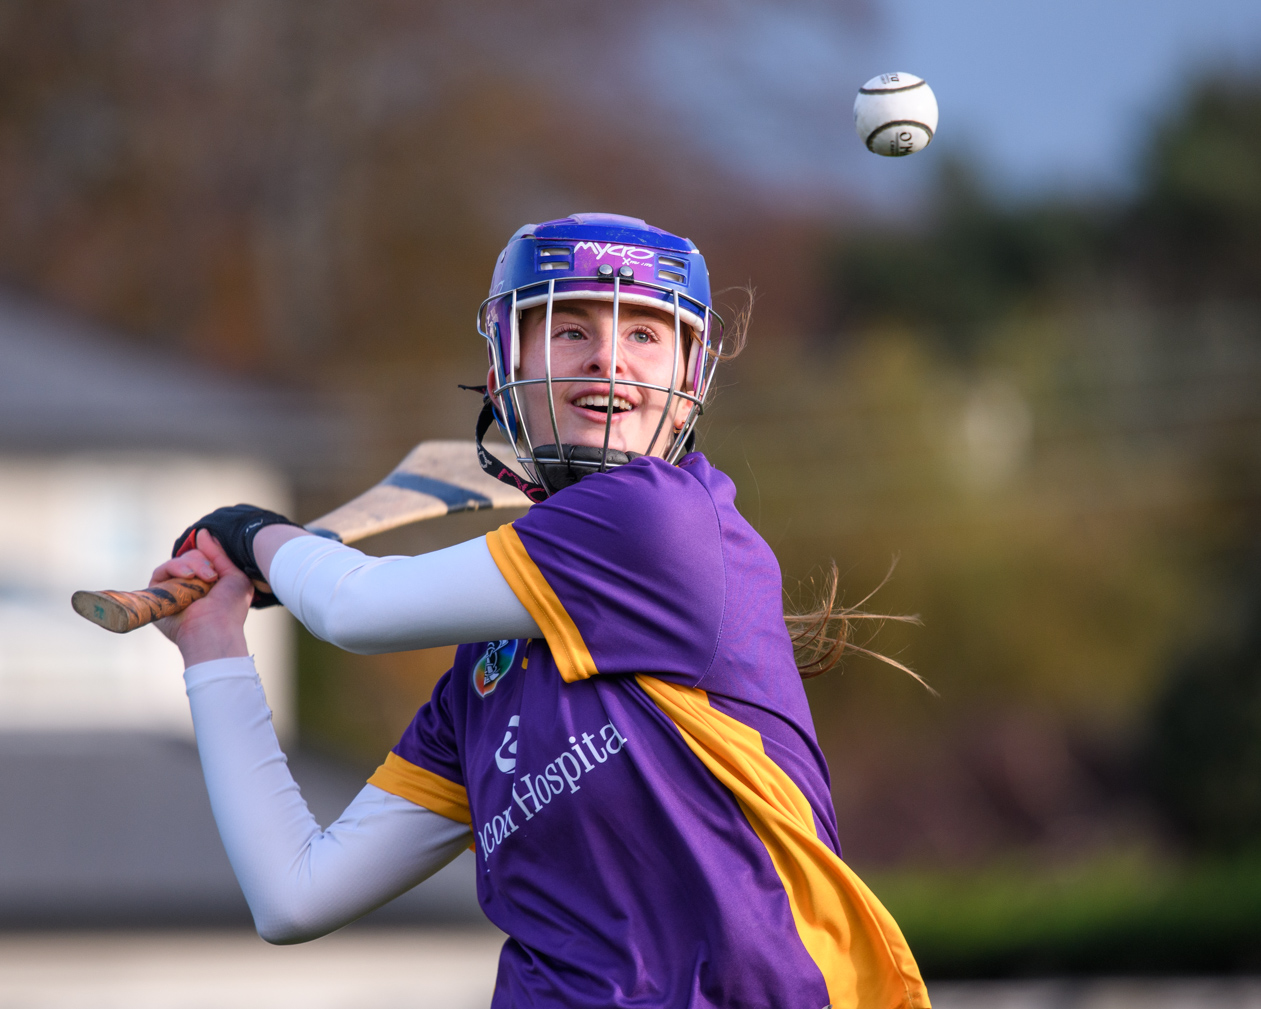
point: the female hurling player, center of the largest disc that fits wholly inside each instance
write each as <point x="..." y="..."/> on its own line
<point x="624" y="738"/>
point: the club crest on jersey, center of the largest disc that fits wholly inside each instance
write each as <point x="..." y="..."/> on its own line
<point x="493" y="665"/>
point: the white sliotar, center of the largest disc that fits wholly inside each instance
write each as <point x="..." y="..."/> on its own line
<point x="895" y="114"/>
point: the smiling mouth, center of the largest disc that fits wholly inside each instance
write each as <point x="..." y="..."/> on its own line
<point x="601" y="403"/>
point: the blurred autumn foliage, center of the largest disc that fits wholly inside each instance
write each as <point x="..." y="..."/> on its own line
<point x="318" y="189"/>
<point x="1050" y="410"/>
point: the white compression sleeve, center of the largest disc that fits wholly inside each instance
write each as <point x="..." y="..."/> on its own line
<point x="392" y="604"/>
<point x="301" y="882"/>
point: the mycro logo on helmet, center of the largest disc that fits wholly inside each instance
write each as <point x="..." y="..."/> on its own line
<point x="493" y="665"/>
<point x="630" y="252"/>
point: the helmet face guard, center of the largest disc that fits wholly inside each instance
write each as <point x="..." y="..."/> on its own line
<point x="598" y="257"/>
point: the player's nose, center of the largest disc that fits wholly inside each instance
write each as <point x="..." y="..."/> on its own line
<point x="600" y="356"/>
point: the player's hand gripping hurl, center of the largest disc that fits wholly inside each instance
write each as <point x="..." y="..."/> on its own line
<point x="213" y="627"/>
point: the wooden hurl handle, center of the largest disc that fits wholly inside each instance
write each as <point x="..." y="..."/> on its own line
<point x="435" y="478"/>
<point x="121" y="612"/>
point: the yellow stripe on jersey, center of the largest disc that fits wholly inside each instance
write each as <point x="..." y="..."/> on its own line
<point x="855" y="942"/>
<point x="403" y="778"/>
<point x="572" y="656"/>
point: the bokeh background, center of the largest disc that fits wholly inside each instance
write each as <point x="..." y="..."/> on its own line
<point x="1025" y="365"/>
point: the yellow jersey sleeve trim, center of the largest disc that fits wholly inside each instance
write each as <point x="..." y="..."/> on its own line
<point x="572" y="656"/>
<point x="403" y="778"/>
<point x="855" y="942"/>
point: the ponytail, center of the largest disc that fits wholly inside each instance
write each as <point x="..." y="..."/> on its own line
<point x="823" y="635"/>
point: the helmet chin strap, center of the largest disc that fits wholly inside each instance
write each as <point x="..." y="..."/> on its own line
<point x="493" y="466"/>
<point x="558" y="469"/>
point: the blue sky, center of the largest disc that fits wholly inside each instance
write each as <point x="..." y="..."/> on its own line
<point x="1040" y="95"/>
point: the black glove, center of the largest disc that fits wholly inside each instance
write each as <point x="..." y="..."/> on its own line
<point x="235" y="528"/>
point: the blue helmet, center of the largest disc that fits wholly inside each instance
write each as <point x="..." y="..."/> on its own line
<point x="600" y="257"/>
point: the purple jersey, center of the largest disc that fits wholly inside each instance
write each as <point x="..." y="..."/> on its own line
<point x="651" y="808"/>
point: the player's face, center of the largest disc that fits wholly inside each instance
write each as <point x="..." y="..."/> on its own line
<point x="582" y="348"/>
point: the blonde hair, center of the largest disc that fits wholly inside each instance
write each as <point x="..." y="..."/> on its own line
<point x="736" y="335"/>
<point x="823" y="635"/>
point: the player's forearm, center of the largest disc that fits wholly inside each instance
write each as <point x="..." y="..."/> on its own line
<point x="301" y="882"/>
<point x="387" y="604"/>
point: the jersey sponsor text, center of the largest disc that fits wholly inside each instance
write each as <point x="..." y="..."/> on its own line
<point x="533" y="793"/>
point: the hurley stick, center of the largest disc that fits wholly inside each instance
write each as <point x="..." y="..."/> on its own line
<point x="436" y="478"/>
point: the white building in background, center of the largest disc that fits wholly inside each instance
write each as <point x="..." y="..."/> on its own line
<point x="107" y="452"/>
<point x="104" y="520"/>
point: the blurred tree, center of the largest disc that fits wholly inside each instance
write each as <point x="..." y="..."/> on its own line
<point x="977" y="261"/>
<point x="1194" y="233"/>
<point x="1204" y="744"/>
<point x="1195" y="229"/>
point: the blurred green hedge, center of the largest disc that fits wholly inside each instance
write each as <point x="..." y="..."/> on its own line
<point x="1119" y="914"/>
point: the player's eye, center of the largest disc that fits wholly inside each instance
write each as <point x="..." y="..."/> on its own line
<point x="642" y="336"/>
<point x="569" y="334"/>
